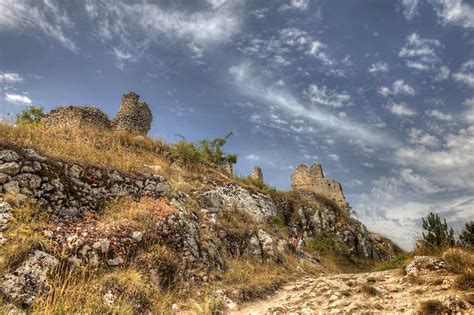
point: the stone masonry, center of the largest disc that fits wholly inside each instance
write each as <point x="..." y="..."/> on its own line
<point x="312" y="179"/>
<point x="77" y="117"/>
<point x="133" y="115"/>
<point x="257" y="174"/>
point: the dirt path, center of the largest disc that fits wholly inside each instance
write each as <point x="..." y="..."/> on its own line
<point x="381" y="292"/>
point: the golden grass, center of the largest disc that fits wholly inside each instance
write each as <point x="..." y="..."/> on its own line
<point x="140" y="215"/>
<point x="460" y="260"/>
<point x="24" y="233"/>
<point x="253" y="279"/>
<point x="120" y="150"/>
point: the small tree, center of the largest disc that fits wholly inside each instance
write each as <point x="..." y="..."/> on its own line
<point x="30" y="116"/>
<point x="437" y="234"/>
<point x="211" y="151"/>
<point x="467" y="235"/>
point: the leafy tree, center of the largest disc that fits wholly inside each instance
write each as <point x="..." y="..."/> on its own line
<point x="437" y="233"/>
<point x="467" y="235"/>
<point x="30" y="116"/>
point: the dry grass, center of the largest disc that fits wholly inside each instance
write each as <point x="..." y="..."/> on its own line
<point x="24" y="234"/>
<point x="120" y="150"/>
<point x="141" y="215"/>
<point x="430" y="307"/>
<point x="85" y="291"/>
<point x="253" y="279"/>
<point x="459" y="260"/>
<point x="369" y="290"/>
<point x="465" y="281"/>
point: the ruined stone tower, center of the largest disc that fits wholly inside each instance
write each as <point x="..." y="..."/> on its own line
<point x="133" y="115"/>
<point x="257" y="174"/>
<point x="312" y="180"/>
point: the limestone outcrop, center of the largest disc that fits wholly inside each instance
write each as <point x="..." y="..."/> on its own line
<point x="312" y="179"/>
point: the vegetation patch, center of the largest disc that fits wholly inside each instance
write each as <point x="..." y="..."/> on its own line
<point x="433" y="307"/>
<point x="368" y="289"/>
<point x="465" y="281"/>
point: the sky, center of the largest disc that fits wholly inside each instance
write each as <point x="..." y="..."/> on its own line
<point x="379" y="92"/>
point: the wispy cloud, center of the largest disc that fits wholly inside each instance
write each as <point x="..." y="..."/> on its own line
<point x="399" y="87"/>
<point x="379" y="67"/>
<point x="252" y="85"/>
<point x="410" y="8"/>
<point x="10" y="78"/>
<point x="466" y="73"/>
<point x="324" y="96"/>
<point x="17" y="99"/>
<point x="401" y="109"/>
<point x="420" y="53"/>
<point x="44" y="15"/>
<point x="455" y="12"/>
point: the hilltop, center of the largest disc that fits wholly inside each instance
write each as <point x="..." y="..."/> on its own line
<point x="97" y="217"/>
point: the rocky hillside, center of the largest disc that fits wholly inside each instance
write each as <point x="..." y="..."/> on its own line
<point x="122" y="224"/>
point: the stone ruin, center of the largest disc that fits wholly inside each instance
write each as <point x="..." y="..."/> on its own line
<point x="257" y="174"/>
<point x="312" y="179"/>
<point x="77" y="117"/>
<point x="133" y="116"/>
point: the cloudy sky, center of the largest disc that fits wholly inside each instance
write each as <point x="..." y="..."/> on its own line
<point x="379" y="92"/>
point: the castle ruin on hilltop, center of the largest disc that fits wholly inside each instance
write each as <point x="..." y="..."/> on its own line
<point x="312" y="179"/>
<point x="133" y="116"/>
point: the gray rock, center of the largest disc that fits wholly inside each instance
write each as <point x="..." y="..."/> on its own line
<point x="137" y="236"/>
<point x="115" y="262"/>
<point x="10" y="168"/>
<point x="33" y="155"/>
<point x="12" y="187"/>
<point x="9" y="156"/>
<point x="3" y="178"/>
<point x="29" y="280"/>
<point x="75" y="171"/>
<point x="5" y="214"/>
<point x="420" y="263"/>
<point x="30" y="181"/>
<point x="102" y="245"/>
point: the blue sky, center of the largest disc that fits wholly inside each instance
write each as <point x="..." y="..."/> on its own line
<point x="379" y="92"/>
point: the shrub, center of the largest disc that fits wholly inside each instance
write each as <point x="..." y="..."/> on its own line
<point x="437" y="235"/>
<point x="368" y="289"/>
<point x="467" y="235"/>
<point x="30" y="116"/>
<point x="208" y="151"/>
<point x="459" y="260"/>
<point x="398" y="261"/>
<point x="465" y="281"/>
<point x="433" y="307"/>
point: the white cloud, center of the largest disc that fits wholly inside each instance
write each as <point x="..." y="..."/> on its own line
<point x="334" y="157"/>
<point x="410" y="8"/>
<point x="420" y="53"/>
<point x="44" y="15"/>
<point x="466" y="73"/>
<point x="451" y="164"/>
<point x="323" y="96"/>
<point x="10" y="78"/>
<point x="285" y="46"/>
<point x="379" y="67"/>
<point x="296" y="5"/>
<point x="455" y="12"/>
<point x="250" y="83"/>
<point x="469" y="113"/>
<point x="418" y="136"/>
<point x="443" y="73"/>
<point x="399" y="87"/>
<point x="133" y="27"/>
<point x="17" y="99"/>
<point x="401" y="109"/>
<point x="253" y="157"/>
<point x="368" y="165"/>
<point x="434" y="113"/>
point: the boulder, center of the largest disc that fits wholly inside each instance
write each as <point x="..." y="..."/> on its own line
<point x="29" y="280"/>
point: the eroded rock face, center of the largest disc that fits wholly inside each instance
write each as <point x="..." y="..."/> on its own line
<point x="29" y="280"/>
<point x="229" y="197"/>
<point x="69" y="189"/>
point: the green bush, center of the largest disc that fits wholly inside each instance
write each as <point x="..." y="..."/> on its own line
<point x="30" y="116"/>
<point x="467" y="235"/>
<point x="205" y="151"/>
<point x="437" y="236"/>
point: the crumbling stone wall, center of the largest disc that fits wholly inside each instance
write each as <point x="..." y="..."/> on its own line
<point x="257" y="174"/>
<point x="312" y="180"/>
<point x="77" y="117"/>
<point x="133" y="115"/>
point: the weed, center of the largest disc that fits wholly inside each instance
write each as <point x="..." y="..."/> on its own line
<point x="465" y="281"/>
<point x="368" y="289"/>
<point x="433" y="307"/>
